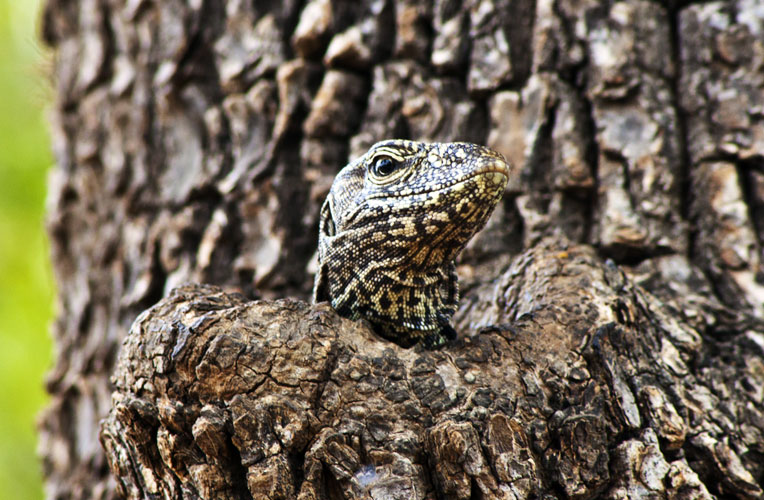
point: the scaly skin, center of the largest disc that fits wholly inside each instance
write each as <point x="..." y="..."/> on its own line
<point x="393" y="223"/>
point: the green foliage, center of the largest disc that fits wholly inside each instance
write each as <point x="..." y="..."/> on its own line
<point x="26" y="287"/>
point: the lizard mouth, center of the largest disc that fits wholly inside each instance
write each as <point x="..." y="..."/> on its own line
<point x="499" y="167"/>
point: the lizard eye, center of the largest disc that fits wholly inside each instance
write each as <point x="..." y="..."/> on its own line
<point x="383" y="167"/>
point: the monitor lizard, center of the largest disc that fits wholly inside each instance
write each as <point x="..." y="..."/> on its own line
<point x="391" y="226"/>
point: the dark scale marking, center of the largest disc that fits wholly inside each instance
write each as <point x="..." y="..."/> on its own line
<point x="345" y="310"/>
<point x="414" y="299"/>
<point x="427" y="310"/>
<point x="388" y="237"/>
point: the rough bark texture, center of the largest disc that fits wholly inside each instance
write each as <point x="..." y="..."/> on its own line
<point x="611" y="315"/>
<point x="582" y="385"/>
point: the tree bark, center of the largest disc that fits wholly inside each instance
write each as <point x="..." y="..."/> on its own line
<point x="611" y="335"/>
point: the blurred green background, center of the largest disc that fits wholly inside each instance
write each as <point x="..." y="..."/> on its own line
<point x="26" y="285"/>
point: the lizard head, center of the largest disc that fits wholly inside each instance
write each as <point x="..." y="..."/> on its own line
<point x="391" y="226"/>
<point x="420" y="202"/>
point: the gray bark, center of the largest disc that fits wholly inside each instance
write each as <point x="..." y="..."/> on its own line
<point x="611" y="321"/>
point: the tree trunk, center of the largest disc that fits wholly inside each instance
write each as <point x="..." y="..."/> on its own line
<point x="611" y="334"/>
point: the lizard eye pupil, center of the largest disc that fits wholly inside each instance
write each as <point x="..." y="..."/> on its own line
<point x="383" y="167"/>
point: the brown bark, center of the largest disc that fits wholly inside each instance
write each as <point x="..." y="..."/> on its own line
<point x="582" y="385"/>
<point x="620" y="354"/>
